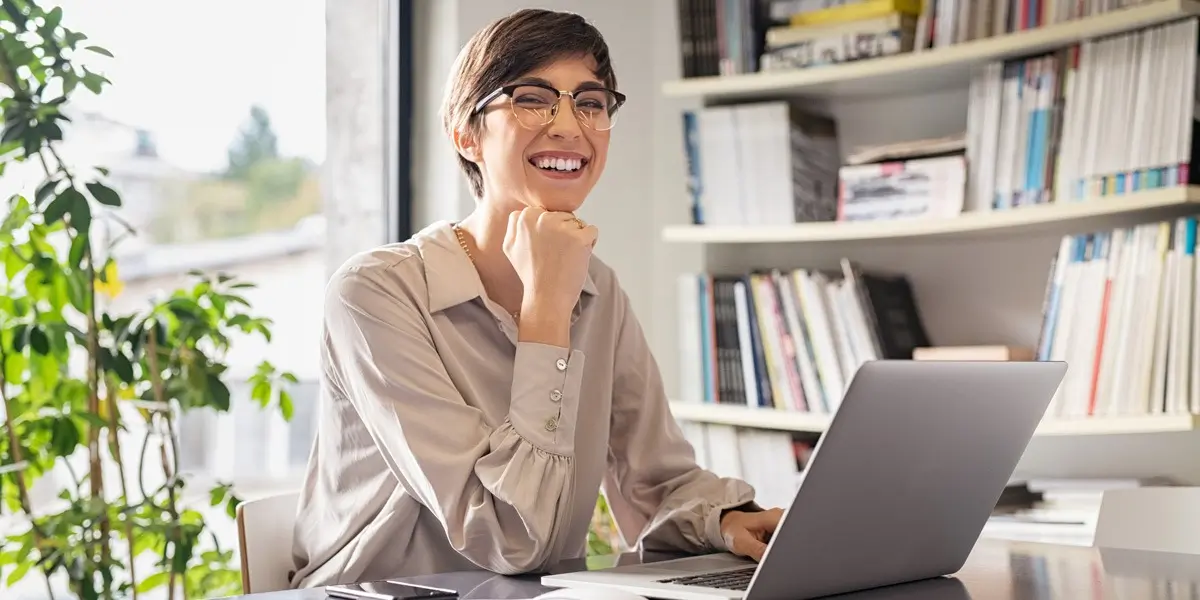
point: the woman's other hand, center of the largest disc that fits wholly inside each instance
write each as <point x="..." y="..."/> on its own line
<point x="746" y="533"/>
<point x="550" y="252"/>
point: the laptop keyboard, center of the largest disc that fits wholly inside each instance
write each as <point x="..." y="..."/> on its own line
<point x="737" y="579"/>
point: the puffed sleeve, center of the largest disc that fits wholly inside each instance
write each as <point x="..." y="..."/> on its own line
<point x="502" y="493"/>
<point x="654" y="487"/>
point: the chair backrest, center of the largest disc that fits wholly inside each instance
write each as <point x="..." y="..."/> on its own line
<point x="1163" y="519"/>
<point x="265" y="540"/>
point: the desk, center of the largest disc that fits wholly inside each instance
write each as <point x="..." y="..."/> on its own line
<point x="996" y="570"/>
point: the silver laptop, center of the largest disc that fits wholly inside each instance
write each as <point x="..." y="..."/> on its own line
<point x="898" y="488"/>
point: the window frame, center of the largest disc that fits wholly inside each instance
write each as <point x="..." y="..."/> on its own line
<point x="399" y="107"/>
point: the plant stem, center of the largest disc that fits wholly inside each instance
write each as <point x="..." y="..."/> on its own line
<point x="141" y="474"/>
<point x="49" y="588"/>
<point x="74" y="477"/>
<point x="14" y="447"/>
<point x="114" y="441"/>
<point x="96" y="474"/>
<point x="14" y="451"/>
<point x="159" y="396"/>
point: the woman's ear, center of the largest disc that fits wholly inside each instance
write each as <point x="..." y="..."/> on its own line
<point x="467" y="146"/>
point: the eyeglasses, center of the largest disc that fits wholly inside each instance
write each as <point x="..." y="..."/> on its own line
<point x="535" y="105"/>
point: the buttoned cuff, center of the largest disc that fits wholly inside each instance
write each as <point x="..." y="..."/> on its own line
<point x="545" y="395"/>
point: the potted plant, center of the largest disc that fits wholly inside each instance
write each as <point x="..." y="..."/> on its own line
<point x="76" y="379"/>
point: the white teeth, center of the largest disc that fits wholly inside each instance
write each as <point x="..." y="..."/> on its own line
<point x="558" y="164"/>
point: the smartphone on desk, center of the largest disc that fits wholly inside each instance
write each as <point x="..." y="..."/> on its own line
<point x="386" y="590"/>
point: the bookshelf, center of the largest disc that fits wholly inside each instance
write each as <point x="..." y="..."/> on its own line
<point x="1086" y="173"/>
<point x="937" y="68"/>
<point x="764" y="418"/>
<point x="1037" y="219"/>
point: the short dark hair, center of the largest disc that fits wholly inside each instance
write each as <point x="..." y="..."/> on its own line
<point x="506" y="49"/>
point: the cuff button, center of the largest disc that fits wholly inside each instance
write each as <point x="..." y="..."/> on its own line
<point x="555" y="396"/>
<point x="561" y="364"/>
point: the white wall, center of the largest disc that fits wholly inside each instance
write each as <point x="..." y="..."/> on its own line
<point x="355" y="177"/>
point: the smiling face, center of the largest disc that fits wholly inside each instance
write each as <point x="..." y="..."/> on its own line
<point x="527" y="163"/>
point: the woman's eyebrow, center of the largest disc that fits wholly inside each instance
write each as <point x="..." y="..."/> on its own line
<point x="590" y="84"/>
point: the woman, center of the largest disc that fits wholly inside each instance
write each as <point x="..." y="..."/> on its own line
<point x="484" y="379"/>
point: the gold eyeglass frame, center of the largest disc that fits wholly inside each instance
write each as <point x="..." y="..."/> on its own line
<point x="508" y="90"/>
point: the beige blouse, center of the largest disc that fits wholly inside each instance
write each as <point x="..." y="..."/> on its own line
<point x="445" y="444"/>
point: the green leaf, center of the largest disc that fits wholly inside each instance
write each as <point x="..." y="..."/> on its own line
<point x="218" y="392"/>
<point x="14" y="368"/>
<point x="38" y="340"/>
<point x="217" y="495"/>
<point x="19" y="574"/>
<point x="52" y="132"/>
<point x="123" y="367"/>
<point x="285" y="405"/>
<point x="81" y="212"/>
<point x="58" y="207"/>
<point x="77" y="291"/>
<point x="104" y="194"/>
<point x="288" y="377"/>
<point x="54" y="17"/>
<point x="18" y="214"/>
<point x="185" y="309"/>
<point x="20" y="337"/>
<point x="78" y="246"/>
<point x="154" y="581"/>
<point x="99" y="50"/>
<point x="261" y="392"/>
<point x="65" y="437"/>
<point x="13" y="264"/>
<point x="13" y="131"/>
<point x="46" y="190"/>
<point x="92" y="81"/>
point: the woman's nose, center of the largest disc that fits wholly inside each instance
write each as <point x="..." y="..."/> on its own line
<point x="565" y="123"/>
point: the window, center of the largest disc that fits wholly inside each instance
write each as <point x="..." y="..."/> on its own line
<point x="214" y="133"/>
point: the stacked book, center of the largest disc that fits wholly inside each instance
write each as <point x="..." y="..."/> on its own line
<point x="1120" y="308"/>
<point x="917" y="179"/>
<point x="1107" y="117"/>
<point x="818" y="34"/>
<point x="765" y="163"/>
<point x="791" y="340"/>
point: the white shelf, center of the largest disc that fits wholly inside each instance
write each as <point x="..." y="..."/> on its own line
<point x="763" y="418"/>
<point x="1055" y="217"/>
<point x="741" y="416"/>
<point x="928" y="70"/>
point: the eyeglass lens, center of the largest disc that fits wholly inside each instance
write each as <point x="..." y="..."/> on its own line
<point x="536" y="106"/>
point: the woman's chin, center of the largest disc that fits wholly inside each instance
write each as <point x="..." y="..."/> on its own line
<point x="557" y="202"/>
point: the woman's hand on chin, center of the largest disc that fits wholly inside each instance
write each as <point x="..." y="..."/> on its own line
<point x="550" y="252"/>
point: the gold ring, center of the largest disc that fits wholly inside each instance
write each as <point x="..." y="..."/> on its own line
<point x="579" y="222"/>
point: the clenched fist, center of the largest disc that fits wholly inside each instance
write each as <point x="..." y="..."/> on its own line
<point x="550" y="252"/>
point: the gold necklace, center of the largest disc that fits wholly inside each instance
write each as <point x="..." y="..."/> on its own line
<point x="462" y="241"/>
